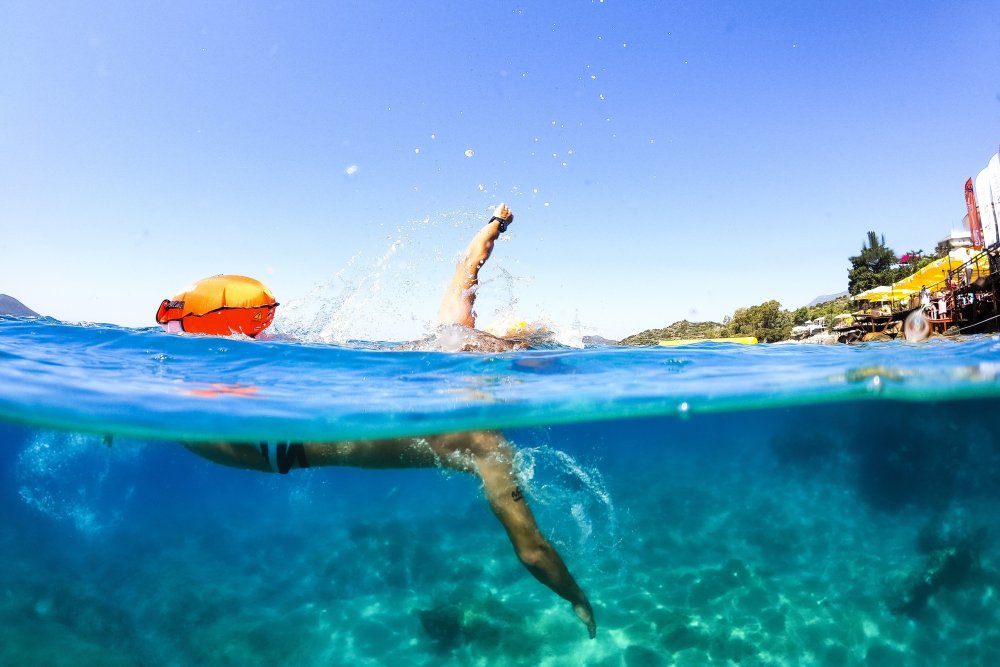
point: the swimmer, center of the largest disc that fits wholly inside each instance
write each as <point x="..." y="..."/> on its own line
<point x="486" y="454"/>
<point x="456" y="315"/>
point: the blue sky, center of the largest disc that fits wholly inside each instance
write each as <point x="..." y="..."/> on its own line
<point x="663" y="160"/>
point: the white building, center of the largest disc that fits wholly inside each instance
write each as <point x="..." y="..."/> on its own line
<point x="958" y="238"/>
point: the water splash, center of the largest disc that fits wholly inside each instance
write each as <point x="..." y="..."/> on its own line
<point x="394" y="295"/>
<point x="558" y="482"/>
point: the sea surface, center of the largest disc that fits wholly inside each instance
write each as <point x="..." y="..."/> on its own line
<point x="720" y="504"/>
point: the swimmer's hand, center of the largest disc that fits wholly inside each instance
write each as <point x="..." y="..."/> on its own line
<point x="504" y="214"/>
<point x="586" y="614"/>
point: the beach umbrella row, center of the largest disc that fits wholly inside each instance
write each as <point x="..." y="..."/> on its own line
<point x="936" y="273"/>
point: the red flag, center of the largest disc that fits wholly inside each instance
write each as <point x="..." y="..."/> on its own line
<point x="975" y="226"/>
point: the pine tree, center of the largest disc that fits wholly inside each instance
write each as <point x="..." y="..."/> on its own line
<point x="876" y="265"/>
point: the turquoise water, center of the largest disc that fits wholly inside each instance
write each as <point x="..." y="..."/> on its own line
<point x="720" y="504"/>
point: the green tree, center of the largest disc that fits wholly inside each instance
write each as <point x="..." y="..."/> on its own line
<point x="912" y="261"/>
<point x="876" y="265"/>
<point x="682" y="329"/>
<point x="829" y="309"/>
<point x="768" y="322"/>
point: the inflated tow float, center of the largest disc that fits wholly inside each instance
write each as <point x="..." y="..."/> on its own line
<point x="221" y="305"/>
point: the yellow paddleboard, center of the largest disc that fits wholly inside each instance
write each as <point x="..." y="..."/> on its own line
<point x="742" y="340"/>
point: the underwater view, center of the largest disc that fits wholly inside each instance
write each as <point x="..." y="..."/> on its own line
<point x="716" y="503"/>
<point x="583" y="333"/>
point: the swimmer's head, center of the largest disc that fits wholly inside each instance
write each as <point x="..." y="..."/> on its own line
<point x="513" y="327"/>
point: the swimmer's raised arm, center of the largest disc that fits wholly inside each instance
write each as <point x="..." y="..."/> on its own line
<point x="460" y="296"/>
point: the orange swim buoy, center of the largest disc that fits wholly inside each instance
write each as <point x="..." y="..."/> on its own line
<point x="221" y="305"/>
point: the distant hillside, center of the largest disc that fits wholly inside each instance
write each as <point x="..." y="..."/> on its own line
<point x="11" y="306"/>
<point x="598" y="341"/>
<point x="682" y="329"/>
<point x="825" y="298"/>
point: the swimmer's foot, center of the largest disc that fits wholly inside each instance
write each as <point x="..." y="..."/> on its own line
<point x="586" y="614"/>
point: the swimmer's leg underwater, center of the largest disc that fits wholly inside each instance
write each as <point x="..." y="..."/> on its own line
<point x="486" y="454"/>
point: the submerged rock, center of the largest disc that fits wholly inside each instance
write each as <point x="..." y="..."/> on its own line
<point x="716" y="583"/>
<point x="443" y="624"/>
<point x="947" y="529"/>
<point x="677" y="632"/>
<point x="953" y="549"/>
<point x="945" y="568"/>
<point x="732" y="648"/>
<point x="640" y="656"/>
<point x="448" y="626"/>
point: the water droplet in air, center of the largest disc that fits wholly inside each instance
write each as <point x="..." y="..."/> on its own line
<point x="352" y="170"/>
<point x="469" y="152"/>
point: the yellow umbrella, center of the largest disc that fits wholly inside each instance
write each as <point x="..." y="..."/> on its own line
<point x="882" y="293"/>
<point x="873" y="294"/>
<point x="934" y="275"/>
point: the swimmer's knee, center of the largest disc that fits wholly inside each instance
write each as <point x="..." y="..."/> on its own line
<point x="533" y="556"/>
<point x="483" y="442"/>
<point x="473" y="442"/>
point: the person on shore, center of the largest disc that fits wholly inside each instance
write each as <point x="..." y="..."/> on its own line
<point x="486" y="454"/>
<point x="925" y="296"/>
